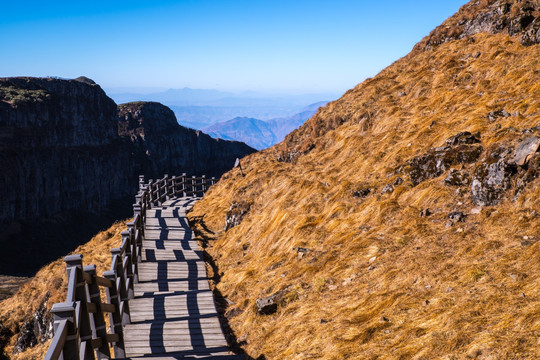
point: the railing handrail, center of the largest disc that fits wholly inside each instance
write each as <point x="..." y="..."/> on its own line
<point x="79" y="323"/>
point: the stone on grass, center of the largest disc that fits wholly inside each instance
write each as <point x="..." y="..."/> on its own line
<point x="267" y="305"/>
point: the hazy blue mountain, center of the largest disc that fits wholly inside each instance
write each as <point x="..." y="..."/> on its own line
<point x="258" y="133"/>
<point x="200" y="108"/>
<point x="200" y="117"/>
<point x="254" y="132"/>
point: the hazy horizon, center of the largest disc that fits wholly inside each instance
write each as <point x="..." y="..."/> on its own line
<point x="278" y="46"/>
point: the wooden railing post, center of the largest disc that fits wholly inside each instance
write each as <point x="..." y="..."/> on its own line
<point x="131" y="230"/>
<point x="127" y="262"/>
<point x="174" y="186"/>
<point x="99" y="331"/>
<point x="203" y="181"/>
<point x="166" y="187"/>
<point x="66" y="312"/>
<point x="147" y="191"/>
<point x="141" y="181"/>
<point x="213" y="181"/>
<point x="116" y="254"/>
<point x="81" y="295"/>
<point x="137" y="210"/>
<point x="184" y="184"/>
<point x="194" y="186"/>
<point x="115" y="318"/>
<point x="151" y="197"/>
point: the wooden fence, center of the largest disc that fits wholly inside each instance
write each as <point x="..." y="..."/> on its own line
<point x="80" y="331"/>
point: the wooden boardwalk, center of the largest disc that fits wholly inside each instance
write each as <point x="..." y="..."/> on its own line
<point x="173" y="314"/>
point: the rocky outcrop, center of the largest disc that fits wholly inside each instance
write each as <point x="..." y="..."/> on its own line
<point x="460" y="149"/>
<point x="490" y="174"/>
<point x="504" y="169"/>
<point x="236" y="214"/>
<point x="164" y="146"/>
<point x="516" y="18"/>
<point x="37" y="329"/>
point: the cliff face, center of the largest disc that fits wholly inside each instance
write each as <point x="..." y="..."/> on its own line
<point x="65" y="153"/>
<point x="164" y="146"/>
<point x="59" y="148"/>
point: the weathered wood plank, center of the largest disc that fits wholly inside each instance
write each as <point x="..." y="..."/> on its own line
<point x="175" y="324"/>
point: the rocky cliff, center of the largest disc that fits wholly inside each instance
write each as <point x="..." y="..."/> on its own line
<point x="164" y="146"/>
<point x="59" y="148"/>
<point x="65" y="156"/>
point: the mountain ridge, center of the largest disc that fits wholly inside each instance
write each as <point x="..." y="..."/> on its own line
<point x="261" y="134"/>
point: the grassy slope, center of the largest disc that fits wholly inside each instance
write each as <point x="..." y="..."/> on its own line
<point x="432" y="292"/>
<point x="52" y="278"/>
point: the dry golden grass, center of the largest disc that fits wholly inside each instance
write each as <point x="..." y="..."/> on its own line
<point x="379" y="281"/>
<point x="52" y="278"/>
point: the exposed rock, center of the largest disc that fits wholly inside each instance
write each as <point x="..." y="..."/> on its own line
<point x="361" y="193"/>
<point x="519" y="18"/>
<point x="476" y="210"/>
<point x="267" y="305"/>
<point x="235" y="214"/>
<point x="398" y="181"/>
<point x="301" y="252"/>
<point x="463" y="137"/>
<point x="494" y="115"/>
<point x="456" y="217"/>
<point x="387" y="189"/>
<point x="35" y="330"/>
<point x="85" y="80"/>
<point x="425" y="212"/>
<point x="436" y="161"/>
<point x="525" y="149"/>
<point x="491" y="180"/>
<point x="529" y="173"/>
<point x="457" y="178"/>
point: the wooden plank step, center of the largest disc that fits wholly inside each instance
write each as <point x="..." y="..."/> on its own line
<point x="202" y="297"/>
<point x="173" y="335"/>
<point x="171" y="245"/>
<point x="153" y="255"/>
<point x="200" y="354"/>
<point x="205" y="323"/>
<point x="141" y="317"/>
<point x="171" y="266"/>
<point x="213" y="355"/>
<point x="184" y="343"/>
<point x="143" y="350"/>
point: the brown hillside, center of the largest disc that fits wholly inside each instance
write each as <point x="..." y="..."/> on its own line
<point x="361" y="269"/>
<point x="49" y="287"/>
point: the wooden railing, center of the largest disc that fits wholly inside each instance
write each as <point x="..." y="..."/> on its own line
<point x="80" y="330"/>
<point x="177" y="186"/>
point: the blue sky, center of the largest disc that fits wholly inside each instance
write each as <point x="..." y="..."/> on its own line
<point x="261" y="45"/>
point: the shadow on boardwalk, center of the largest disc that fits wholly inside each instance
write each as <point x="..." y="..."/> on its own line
<point x="205" y="235"/>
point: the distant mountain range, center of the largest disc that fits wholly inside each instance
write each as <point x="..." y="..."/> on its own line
<point x="200" y="108"/>
<point x="261" y="134"/>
